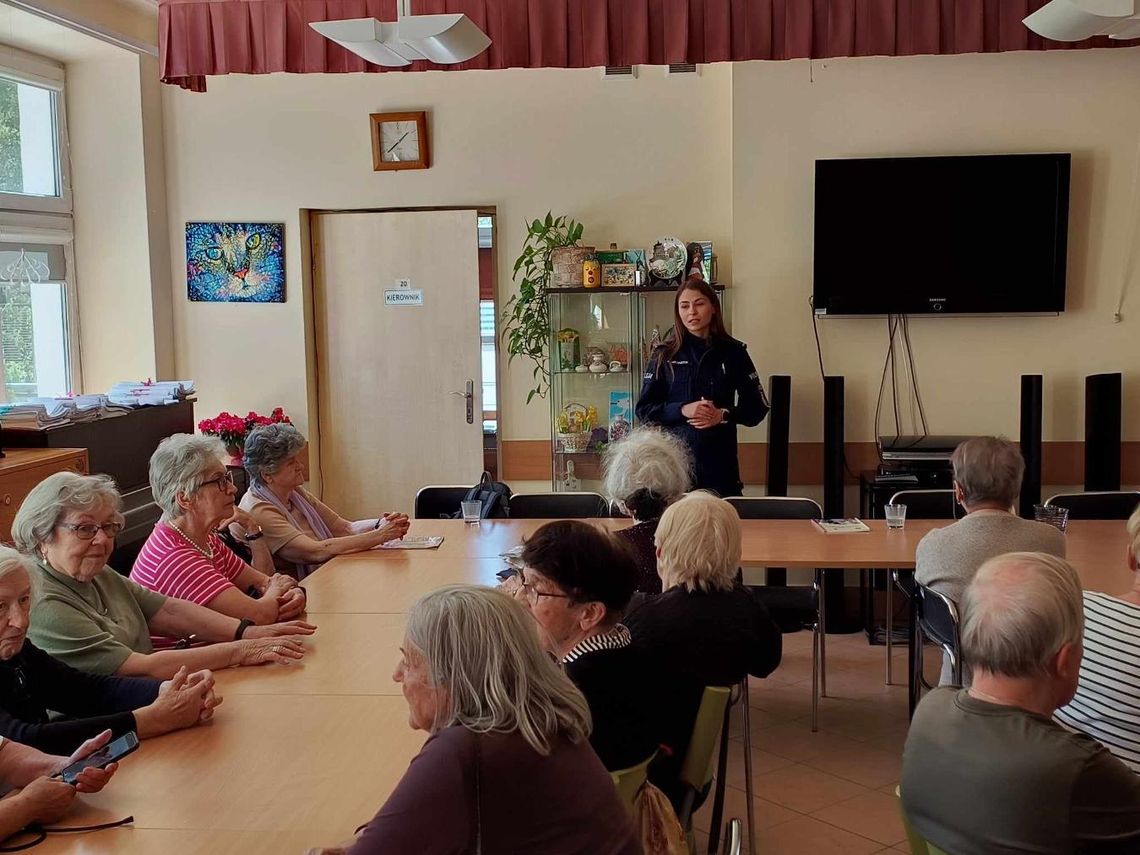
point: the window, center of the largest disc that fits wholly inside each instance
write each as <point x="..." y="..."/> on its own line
<point x="487" y="349"/>
<point x="35" y="344"/>
<point x="38" y="317"/>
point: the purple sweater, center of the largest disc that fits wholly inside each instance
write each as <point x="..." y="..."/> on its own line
<point x="494" y="788"/>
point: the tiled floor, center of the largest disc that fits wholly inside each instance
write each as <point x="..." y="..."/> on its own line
<point x="831" y="791"/>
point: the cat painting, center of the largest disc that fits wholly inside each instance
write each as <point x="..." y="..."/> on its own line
<point x="235" y="262"/>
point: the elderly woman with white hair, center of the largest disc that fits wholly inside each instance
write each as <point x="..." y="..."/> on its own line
<point x="33" y="682"/>
<point x="507" y="766"/>
<point x="1107" y="703"/>
<point x="185" y="558"/>
<point x="644" y="474"/>
<point x="300" y="530"/>
<point x="706" y="629"/>
<point x="95" y="620"/>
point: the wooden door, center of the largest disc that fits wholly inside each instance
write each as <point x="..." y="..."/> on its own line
<point x="393" y="373"/>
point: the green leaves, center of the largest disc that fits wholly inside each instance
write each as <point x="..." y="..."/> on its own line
<point x="526" y="315"/>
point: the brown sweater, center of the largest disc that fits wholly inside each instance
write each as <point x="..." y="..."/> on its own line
<point x="492" y="793"/>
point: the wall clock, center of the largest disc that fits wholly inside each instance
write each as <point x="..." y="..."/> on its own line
<point x="400" y="141"/>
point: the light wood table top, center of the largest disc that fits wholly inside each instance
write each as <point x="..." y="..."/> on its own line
<point x="167" y="841"/>
<point x="309" y="767"/>
<point x="350" y="654"/>
<point x="365" y="584"/>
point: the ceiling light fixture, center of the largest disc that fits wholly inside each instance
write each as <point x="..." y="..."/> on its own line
<point x="1077" y="20"/>
<point x="442" y="39"/>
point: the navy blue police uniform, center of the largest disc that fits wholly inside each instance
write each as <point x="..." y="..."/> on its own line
<point x="720" y="370"/>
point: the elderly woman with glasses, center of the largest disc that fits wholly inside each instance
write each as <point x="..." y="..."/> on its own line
<point x="507" y="766"/>
<point x="301" y="531"/>
<point x="706" y="629"/>
<point x="33" y="682"/>
<point x="577" y="581"/>
<point x="185" y="558"/>
<point x="95" y="620"/>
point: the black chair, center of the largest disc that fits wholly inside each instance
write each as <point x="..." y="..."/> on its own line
<point x="1107" y="505"/>
<point x="936" y="618"/>
<point x="558" y="506"/>
<point x="920" y="505"/>
<point x="436" y="502"/>
<point x="799" y="606"/>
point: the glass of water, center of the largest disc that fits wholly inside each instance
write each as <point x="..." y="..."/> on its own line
<point x="471" y="511"/>
<point x="896" y="515"/>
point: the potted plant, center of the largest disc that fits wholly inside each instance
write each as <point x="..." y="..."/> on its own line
<point x="526" y="316"/>
<point x="232" y="430"/>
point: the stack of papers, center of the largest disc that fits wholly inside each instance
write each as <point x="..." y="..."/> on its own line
<point x="150" y="392"/>
<point x="40" y="413"/>
<point x="842" y="526"/>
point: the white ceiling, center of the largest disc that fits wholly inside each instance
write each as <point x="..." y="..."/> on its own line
<point x="38" y="35"/>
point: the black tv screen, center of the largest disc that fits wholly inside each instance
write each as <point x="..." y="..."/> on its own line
<point x="953" y="235"/>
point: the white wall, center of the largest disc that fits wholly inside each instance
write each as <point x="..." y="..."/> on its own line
<point x="786" y="115"/>
<point x="632" y="159"/>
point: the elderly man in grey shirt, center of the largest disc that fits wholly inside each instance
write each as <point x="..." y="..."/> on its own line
<point x="987" y="482"/>
<point x="986" y="770"/>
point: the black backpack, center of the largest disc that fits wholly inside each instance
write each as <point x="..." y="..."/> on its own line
<point x="493" y="496"/>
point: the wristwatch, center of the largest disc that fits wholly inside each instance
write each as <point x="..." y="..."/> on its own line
<point x="245" y="624"/>
<point x="254" y="535"/>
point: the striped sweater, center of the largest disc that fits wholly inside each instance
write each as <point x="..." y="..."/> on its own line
<point x="1107" y="704"/>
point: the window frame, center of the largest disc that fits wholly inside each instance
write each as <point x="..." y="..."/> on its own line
<point x="38" y="71"/>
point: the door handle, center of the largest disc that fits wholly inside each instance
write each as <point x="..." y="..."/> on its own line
<point x="469" y="395"/>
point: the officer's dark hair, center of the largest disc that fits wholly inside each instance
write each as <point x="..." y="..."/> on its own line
<point x="587" y="563"/>
<point x="716" y="329"/>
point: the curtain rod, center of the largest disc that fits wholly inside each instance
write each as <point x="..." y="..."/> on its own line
<point x="43" y="9"/>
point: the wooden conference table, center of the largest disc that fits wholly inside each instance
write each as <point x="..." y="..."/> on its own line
<point x="299" y="756"/>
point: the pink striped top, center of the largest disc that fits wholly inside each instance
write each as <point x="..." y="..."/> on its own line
<point x="169" y="564"/>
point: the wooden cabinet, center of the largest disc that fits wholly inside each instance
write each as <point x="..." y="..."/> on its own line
<point x="23" y="468"/>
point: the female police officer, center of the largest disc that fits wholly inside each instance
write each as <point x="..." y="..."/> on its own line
<point x="701" y="385"/>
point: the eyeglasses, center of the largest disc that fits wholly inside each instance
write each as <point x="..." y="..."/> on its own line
<point x="86" y="531"/>
<point x="533" y="595"/>
<point x="223" y="482"/>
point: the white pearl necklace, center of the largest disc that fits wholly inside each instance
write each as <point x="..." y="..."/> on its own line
<point x="209" y="553"/>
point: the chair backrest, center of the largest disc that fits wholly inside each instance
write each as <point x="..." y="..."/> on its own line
<point x="776" y="508"/>
<point x="697" y="768"/>
<point x="558" y="506"/>
<point x="628" y="781"/>
<point x="938" y="617"/>
<point x="929" y="504"/>
<point x="436" y="501"/>
<point x="1108" y="505"/>
<point x="733" y="837"/>
<point x="918" y="845"/>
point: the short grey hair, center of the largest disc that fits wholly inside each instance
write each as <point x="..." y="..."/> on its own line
<point x="179" y="465"/>
<point x="698" y="543"/>
<point x="988" y="469"/>
<point x="1019" y="610"/>
<point x="647" y="471"/>
<point x="53" y="498"/>
<point x="268" y="446"/>
<point x="11" y="561"/>
<point x="482" y="647"/>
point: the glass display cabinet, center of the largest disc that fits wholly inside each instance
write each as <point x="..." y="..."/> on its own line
<point x="601" y="339"/>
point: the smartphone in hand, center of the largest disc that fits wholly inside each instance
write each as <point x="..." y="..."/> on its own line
<point x="105" y="756"/>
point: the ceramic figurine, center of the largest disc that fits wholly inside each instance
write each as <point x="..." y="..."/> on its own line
<point x="598" y="364"/>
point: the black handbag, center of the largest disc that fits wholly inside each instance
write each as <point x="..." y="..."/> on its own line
<point x="494" y="498"/>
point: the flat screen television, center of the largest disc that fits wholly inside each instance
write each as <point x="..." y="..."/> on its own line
<point x="950" y="235"/>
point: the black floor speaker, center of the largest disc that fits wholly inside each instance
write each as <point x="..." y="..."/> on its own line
<point x="1031" y="408"/>
<point x="779" y="423"/>
<point x="1102" y="431"/>
<point x="839" y="617"/>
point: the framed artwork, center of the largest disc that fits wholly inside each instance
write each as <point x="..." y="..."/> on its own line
<point x="235" y="262"/>
<point x="400" y="141"/>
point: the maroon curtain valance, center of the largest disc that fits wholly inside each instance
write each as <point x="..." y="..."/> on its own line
<point x="198" y="38"/>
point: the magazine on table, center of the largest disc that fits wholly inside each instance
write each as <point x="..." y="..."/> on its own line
<point x="411" y="541"/>
<point x="850" y="525"/>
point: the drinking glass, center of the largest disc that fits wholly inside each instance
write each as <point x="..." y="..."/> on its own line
<point x="471" y="511"/>
<point x="896" y="515"/>
<point x="1055" y="516"/>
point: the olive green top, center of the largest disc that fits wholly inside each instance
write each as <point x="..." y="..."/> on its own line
<point x="92" y="626"/>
